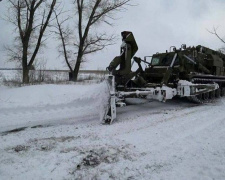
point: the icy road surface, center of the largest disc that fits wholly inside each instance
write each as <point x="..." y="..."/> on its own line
<point x="59" y="136"/>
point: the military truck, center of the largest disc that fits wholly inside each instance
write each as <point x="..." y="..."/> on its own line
<point x="197" y="73"/>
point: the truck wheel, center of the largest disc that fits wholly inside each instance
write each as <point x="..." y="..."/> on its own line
<point x="217" y="93"/>
<point x="212" y="95"/>
<point x="206" y="96"/>
<point x="222" y="92"/>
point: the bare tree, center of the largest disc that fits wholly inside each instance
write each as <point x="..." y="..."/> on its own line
<point x="30" y="18"/>
<point x="90" y="14"/>
<point x="64" y="35"/>
<point x="214" y="32"/>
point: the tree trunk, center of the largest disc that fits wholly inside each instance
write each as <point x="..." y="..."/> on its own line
<point x="71" y="76"/>
<point x="26" y="75"/>
<point x="24" y="63"/>
<point x="76" y="69"/>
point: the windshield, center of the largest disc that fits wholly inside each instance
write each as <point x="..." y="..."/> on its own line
<point x="164" y="60"/>
<point x="167" y="60"/>
<point x="155" y="61"/>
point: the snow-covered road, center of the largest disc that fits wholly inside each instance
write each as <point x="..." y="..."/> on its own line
<point x="174" y="140"/>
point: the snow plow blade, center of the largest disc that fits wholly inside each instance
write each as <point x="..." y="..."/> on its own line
<point x="110" y="111"/>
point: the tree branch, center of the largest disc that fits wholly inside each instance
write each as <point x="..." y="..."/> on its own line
<point x="42" y="30"/>
<point x="214" y="32"/>
<point x="61" y="34"/>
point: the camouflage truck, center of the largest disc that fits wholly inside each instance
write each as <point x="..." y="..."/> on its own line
<point x="197" y="73"/>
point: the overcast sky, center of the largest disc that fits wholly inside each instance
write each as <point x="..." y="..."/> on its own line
<point x="156" y="24"/>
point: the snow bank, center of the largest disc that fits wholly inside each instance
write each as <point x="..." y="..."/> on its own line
<point x="42" y="95"/>
<point x="51" y="104"/>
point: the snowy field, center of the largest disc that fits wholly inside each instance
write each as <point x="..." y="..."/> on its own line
<point x="54" y="132"/>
